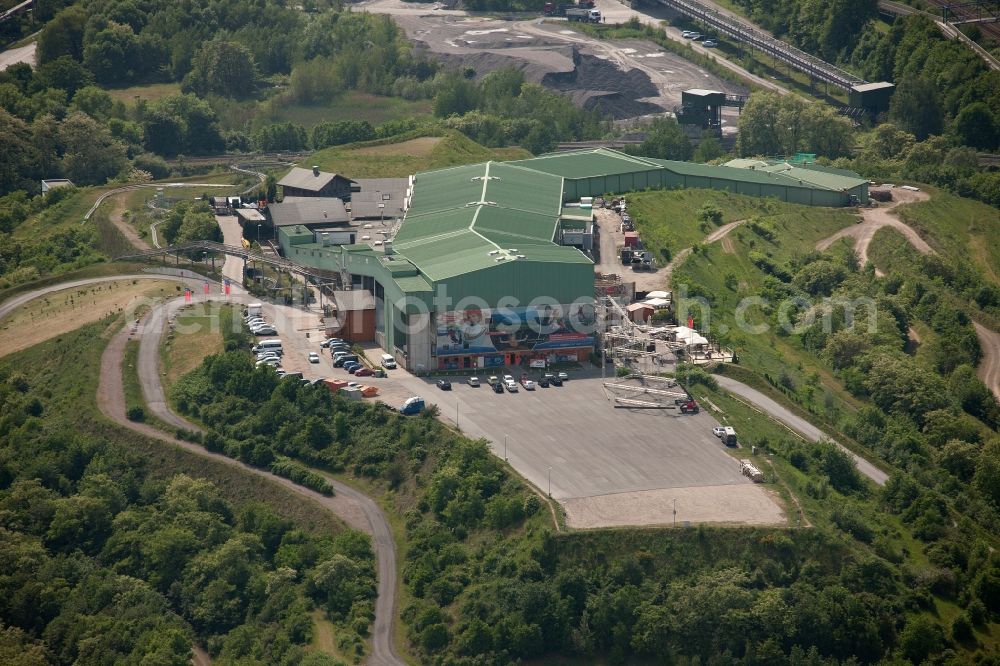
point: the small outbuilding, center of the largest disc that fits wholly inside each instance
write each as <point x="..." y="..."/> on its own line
<point x="53" y="183"/>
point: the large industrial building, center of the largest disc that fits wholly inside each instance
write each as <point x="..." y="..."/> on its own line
<point x="487" y="265"/>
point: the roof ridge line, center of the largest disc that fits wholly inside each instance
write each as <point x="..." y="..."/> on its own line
<point x="472" y="224"/>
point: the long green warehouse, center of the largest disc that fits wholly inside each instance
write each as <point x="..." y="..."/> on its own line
<point x="481" y="272"/>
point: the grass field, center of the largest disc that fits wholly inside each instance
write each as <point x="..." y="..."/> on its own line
<point x="60" y="312"/>
<point x="152" y="92"/>
<point x="398" y="160"/>
<point x="958" y="227"/>
<point x="668" y="220"/>
<point x="353" y="105"/>
<point x="196" y="335"/>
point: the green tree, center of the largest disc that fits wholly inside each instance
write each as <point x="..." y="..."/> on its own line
<point x="225" y="68"/>
<point x="18" y="155"/>
<point x="91" y="155"/>
<point x="921" y="638"/>
<point x="62" y="36"/>
<point x="198" y="224"/>
<point x="666" y="140"/>
<point x="112" y="55"/>
<point x="759" y="126"/>
<point x="64" y="73"/>
<point x="916" y="107"/>
<point x="455" y="96"/>
<point x="708" y="148"/>
<point x="987" y="477"/>
<point x="281" y="136"/>
<point x="977" y="126"/>
<point x="93" y="101"/>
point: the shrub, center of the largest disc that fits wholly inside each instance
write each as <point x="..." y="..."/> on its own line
<point x="136" y="413"/>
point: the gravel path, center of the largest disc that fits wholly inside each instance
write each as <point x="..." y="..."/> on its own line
<point x="875" y="219"/>
<point x="989" y="366"/>
<point x="796" y="423"/>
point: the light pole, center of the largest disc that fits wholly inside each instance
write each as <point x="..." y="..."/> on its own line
<point x="550" y="481"/>
<point x="258" y="235"/>
<point x="675" y="512"/>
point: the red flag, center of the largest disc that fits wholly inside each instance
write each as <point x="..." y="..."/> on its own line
<point x="187" y="295"/>
<point x="206" y="288"/>
<point x="227" y="288"/>
<point x="690" y="321"/>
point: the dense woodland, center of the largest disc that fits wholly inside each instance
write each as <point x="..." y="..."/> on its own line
<point x="105" y="560"/>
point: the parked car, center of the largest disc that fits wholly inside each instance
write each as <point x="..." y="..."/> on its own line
<point x="444" y="384"/>
<point x="510" y="385"/>
<point x="508" y="378"/>
<point x="343" y="360"/>
<point x="351" y="365"/>
<point x="354" y="367"/>
<point x="528" y="384"/>
<point x="313" y="357"/>
<point x="718" y="431"/>
<point x="364" y="372"/>
<point x="329" y="341"/>
<point x="493" y="380"/>
<point x="710" y="43"/>
<point x="543" y="382"/>
<point x="497" y="388"/>
<point x="552" y="379"/>
<point x="472" y="381"/>
<point x="265" y="330"/>
<point x="563" y="376"/>
<point x="691" y="34"/>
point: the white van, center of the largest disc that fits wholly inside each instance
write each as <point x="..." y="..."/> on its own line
<point x="388" y="361"/>
<point x="268" y="345"/>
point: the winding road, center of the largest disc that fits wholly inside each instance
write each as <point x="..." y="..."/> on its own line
<point x="354" y="508"/>
<point x="989" y="366"/>
<point x="796" y="423"/>
<point x="875" y="219"/>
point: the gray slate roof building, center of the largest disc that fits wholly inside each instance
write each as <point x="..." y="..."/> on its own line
<point x="370" y="192"/>
<point x="313" y="182"/>
<point x="309" y="211"/>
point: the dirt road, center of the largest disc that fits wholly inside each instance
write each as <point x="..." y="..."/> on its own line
<point x="13" y="56"/>
<point x="354" y="508"/>
<point x="796" y="423"/>
<point x="117" y="218"/>
<point x="875" y="219"/>
<point x="989" y="366"/>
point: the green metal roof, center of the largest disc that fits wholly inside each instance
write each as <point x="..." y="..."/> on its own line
<point x="470" y="218"/>
<point x="836" y="180"/>
<point x="586" y="163"/>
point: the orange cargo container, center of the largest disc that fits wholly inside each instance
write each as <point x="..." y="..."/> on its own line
<point x="631" y="239"/>
<point x="334" y="385"/>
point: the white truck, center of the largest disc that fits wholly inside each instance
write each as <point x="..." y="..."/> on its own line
<point x="583" y="15"/>
<point x="253" y="310"/>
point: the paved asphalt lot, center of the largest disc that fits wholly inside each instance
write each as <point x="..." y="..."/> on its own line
<point x="593" y="448"/>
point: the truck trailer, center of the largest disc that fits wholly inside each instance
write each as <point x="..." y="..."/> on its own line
<point x="583" y="15"/>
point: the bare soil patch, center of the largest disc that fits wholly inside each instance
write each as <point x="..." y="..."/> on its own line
<point x="64" y="311"/>
<point x="730" y="504"/>
<point x="420" y="147"/>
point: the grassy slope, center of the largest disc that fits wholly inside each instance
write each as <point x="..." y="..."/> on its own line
<point x="151" y="92"/>
<point x="668" y="219"/>
<point x="180" y="355"/>
<point x="958" y="227"/>
<point x="398" y="160"/>
<point x="70" y="365"/>
<point x="798" y="228"/>
<point x="353" y="105"/>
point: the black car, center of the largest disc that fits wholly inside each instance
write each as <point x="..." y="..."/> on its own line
<point x="543" y="382"/>
<point x="444" y="384"/>
<point x="497" y="388"/>
<point x="553" y="379"/>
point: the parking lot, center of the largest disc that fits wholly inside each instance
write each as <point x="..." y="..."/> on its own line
<point x="607" y="466"/>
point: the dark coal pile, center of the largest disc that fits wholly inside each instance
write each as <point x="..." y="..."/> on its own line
<point x="605" y="87"/>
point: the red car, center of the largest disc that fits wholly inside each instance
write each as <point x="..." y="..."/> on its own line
<point x="364" y="372"/>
